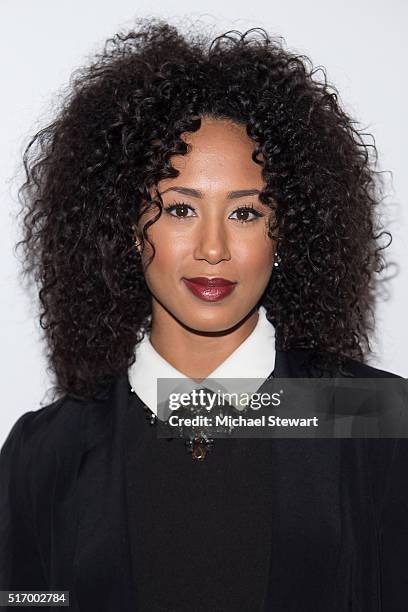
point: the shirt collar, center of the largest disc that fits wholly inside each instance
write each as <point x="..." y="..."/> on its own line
<point x="254" y="358"/>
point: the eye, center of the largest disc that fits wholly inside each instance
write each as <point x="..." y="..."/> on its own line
<point x="178" y="207"/>
<point x="245" y="210"/>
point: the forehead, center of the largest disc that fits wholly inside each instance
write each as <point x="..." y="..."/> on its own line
<point x="220" y="155"/>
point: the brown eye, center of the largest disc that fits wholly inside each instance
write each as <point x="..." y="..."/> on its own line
<point x="179" y="207"/>
<point x="243" y="215"/>
<point x="243" y="211"/>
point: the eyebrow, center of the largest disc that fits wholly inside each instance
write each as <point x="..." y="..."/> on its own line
<point x="195" y="193"/>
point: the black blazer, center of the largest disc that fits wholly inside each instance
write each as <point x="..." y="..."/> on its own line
<point x="63" y="521"/>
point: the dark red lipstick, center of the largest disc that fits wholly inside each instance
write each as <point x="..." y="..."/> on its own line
<point x="209" y="289"/>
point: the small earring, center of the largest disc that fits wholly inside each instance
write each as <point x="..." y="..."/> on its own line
<point x="135" y="240"/>
<point x="277" y="259"/>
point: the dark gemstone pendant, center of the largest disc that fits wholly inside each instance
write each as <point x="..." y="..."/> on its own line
<point x="199" y="447"/>
<point x="199" y="451"/>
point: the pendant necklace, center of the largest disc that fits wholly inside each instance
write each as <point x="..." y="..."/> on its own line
<point x="197" y="446"/>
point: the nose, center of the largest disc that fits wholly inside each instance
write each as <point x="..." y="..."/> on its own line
<point x="212" y="243"/>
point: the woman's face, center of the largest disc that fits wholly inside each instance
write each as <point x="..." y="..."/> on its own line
<point x="207" y="234"/>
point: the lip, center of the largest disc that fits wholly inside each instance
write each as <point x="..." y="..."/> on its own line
<point x="210" y="289"/>
<point x="210" y="282"/>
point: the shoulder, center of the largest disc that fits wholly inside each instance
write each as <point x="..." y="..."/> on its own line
<point x="307" y="362"/>
<point x="47" y="445"/>
<point x="33" y="436"/>
<point x="38" y="436"/>
<point x="363" y="370"/>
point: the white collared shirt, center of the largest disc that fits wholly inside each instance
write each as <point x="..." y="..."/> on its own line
<point x="254" y="358"/>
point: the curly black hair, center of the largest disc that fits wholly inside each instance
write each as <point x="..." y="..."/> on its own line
<point x="89" y="176"/>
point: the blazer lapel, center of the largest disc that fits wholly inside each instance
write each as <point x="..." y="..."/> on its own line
<point x="306" y="513"/>
<point x="102" y="565"/>
<point x="322" y="519"/>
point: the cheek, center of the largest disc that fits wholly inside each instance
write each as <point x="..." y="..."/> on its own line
<point x="168" y="257"/>
<point x="256" y="263"/>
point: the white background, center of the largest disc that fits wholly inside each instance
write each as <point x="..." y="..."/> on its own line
<point x="361" y="44"/>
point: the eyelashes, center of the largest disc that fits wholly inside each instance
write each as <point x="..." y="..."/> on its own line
<point x="182" y="205"/>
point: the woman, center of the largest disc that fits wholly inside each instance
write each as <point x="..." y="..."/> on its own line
<point x="172" y="163"/>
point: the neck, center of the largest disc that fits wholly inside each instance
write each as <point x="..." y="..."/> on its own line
<point x="196" y="354"/>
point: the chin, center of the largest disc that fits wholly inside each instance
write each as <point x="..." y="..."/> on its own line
<point x="216" y="321"/>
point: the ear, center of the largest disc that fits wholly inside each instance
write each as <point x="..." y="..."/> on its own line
<point x="136" y="238"/>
